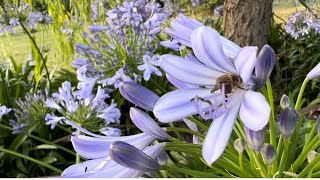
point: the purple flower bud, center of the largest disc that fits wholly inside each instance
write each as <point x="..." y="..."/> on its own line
<point x="162" y="158"/>
<point x="146" y="124"/>
<point x="255" y="139"/>
<point x="97" y="28"/>
<point x="138" y="95"/>
<point x="268" y="153"/>
<point x="287" y="121"/>
<point x="312" y="155"/>
<point x="284" y="101"/>
<point x="314" y="73"/>
<point x="238" y="144"/>
<point x="129" y="156"/>
<point x="265" y="64"/>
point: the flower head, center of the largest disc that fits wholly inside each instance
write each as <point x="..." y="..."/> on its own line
<point x="224" y="105"/>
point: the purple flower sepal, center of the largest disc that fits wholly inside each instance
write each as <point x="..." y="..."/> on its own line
<point x="255" y="139"/>
<point x="287" y="121"/>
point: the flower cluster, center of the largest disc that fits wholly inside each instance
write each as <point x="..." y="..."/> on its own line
<point x="30" y="112"/>
<point x="22" y="13"/>
<point x="122" y="49"/>
<point x="302" y="23"/>
<point x="91" y="113"/>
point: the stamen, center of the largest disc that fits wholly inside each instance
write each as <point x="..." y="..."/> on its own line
<point x="213" y="109"/>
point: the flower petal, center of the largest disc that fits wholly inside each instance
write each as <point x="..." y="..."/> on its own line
<point x="178" y="104"/>
<point x="91" y="147"/>
<point x="178" y="37"/>
<point x="179" y="84"/>
<point x="85" y="167"/>
<point x="230" y="48"/>
<point x="246" y="61"/>
<point x="220" y="130"/>
<point x="188" y="71"/>
<point x="207" y="46"/>
<point x="254" y="111"/>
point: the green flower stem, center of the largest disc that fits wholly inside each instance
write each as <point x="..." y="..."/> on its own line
<point x="294" y="141"/>
<point x="284" y="157"/>
<point x="31" y="159"/>
<point x="240" y="128"/>
<point x="174" y="139"/>
<point x="188" y="151"/>
<point x="241" y="161"/>
<point x="279" y="150"/>
<point x="64" y="128"/>
<point x="185" y="130"/>
<point x="198" y="123"/>
<point x="233" y="168"/>
<point x="273" y="140"/>
<point x="309" y="167"/>
<point x="77" y="155"/>
<point x="41" y="140"/>
<point x="303" y="155"/>
<point x="310" y="173"/>
<point x="184" y="145"/>
<point x="175" y="132"/>
<point x="189" y="172"/>
<point x="303" y="86"/>
<point x="312" y="132"/>
<point x="223" y="173"/>
<point x="269" y="171"/>
<point x="41" y="56"/>
<point x="260" y="164"/>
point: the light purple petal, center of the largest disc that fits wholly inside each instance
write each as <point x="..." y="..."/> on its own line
<point x="178" y="37"/>
<point x="92" y="147"/>
<point x="179" y="84"/>
<point x="245" y="62"/>
<point x="230" y="48"/>
<point x="146" y="124"/>
<point x="207" y="46"/>
<point x="178" y="104"/>
<point x="254" y="111"/>
<point x="314" y="73"/>
<point x="193" y="127"/>
<point x="85" y="167"/>
<point x="220" y="130"/>
<point x="188" y="71"/>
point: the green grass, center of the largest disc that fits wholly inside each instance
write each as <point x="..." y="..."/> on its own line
<point x="18" y="45"/>
<point x="284" y="8"/>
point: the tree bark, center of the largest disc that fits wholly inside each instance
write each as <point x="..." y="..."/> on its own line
<point x="247" y="22"/>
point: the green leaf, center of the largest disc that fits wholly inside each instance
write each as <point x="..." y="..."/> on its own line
<point x="45" y="146"/>
<point x="37" y="58"/>
<point x="49" y="159"/>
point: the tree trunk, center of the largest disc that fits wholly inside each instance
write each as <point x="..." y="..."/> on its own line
<point x="247" y="22"/>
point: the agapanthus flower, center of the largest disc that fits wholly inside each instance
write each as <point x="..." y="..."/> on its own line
<point x="302" y="23"/>
<point x="4" y="110"/>
<point x="205" y="98"/>
<point x="149" y="66"/>
<point x="29" y="112"/>
<point x="217" y="12"/>
<point x="125" y="47"/>
<point x="92" y="112"/>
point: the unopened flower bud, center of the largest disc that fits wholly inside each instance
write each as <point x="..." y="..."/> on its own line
<point x="255" y="139"/>
<point x="268" y="153"/>
<point x="312" y="155"/>
<point x="314" y="73"/>
<point x="239" y="145"/>
<point x="138" y="95"/>
<point x="284" y="101"/>
<point x="146" y="124"/>
<point x="163" y="158"/>
<point x="129" y="156"/>
<point x="265" y="64"/>
<point x="287" y="122"/>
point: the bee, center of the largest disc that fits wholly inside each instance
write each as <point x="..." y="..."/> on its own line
<point x="230" y="81"/>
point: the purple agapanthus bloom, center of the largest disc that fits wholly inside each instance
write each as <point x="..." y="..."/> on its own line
<point x="75" y="108"/>
<point x="213" y="63"/>
<point x="302" y="23"/>
<point x="149" y="66"/>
